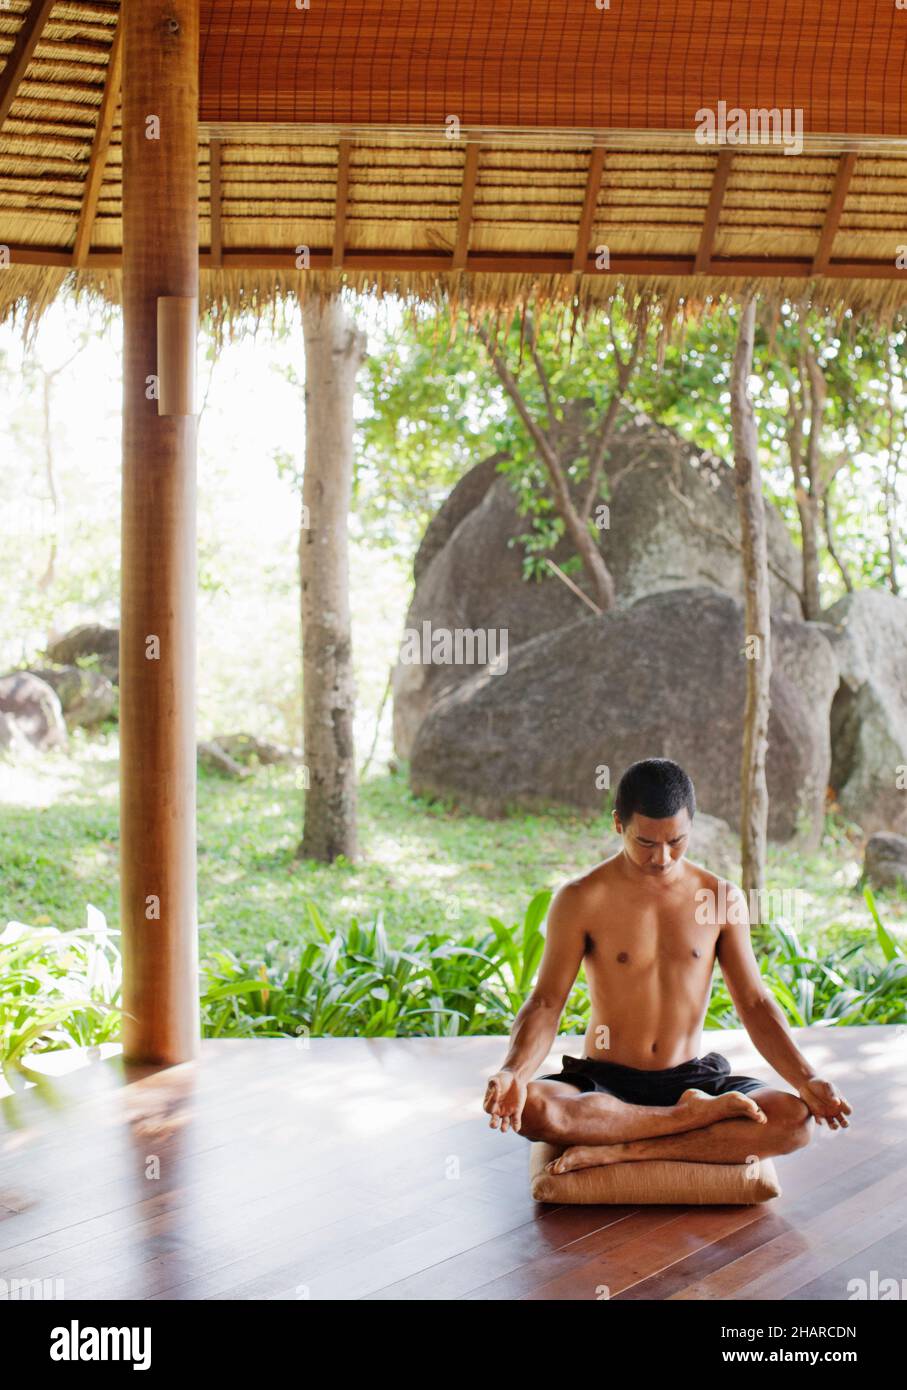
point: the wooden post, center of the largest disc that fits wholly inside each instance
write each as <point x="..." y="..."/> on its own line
<point x="158" y="582"/>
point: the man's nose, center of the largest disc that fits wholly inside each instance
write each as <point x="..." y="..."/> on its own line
<point x="662" y="854"/>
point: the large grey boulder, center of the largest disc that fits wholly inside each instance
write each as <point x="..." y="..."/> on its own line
<point x="87" y="697"/>
<point x="213" y="758"/>
<point x="12" y="739"/>
<point x="464" y="497"/>
<point x="247" y="748"/>
<point x="663" y="678"/>
<point x="673" y="524"/>
<point x="885" y="861"/>
<point x="868" y="631"/>
<point x="475" y="583"/>
<point x="716" y="846"/>
<point x="35" y="709"/>
<point x="87" y="640"/>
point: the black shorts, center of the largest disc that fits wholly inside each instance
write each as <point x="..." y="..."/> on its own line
<point x="711" y="1073"/>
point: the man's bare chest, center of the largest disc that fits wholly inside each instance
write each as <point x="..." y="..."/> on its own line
<point x="661" y="942"/>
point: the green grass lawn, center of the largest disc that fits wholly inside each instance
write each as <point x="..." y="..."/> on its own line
<point x="425" y="867"/>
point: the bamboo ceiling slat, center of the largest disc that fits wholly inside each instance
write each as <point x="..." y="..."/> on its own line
<point x="639" y="64"/>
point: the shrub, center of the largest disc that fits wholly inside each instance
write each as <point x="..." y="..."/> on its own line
<point x="57" y="989"/>
<point x="352" y="983"/>
<point x="846" y="986"/>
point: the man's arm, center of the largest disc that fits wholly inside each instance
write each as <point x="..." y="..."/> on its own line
<point x="764" y="1020"/>
<point x="535" y="1026"/>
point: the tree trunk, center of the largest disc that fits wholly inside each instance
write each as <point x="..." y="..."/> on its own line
<point x="597" y="571"/>
<point x="808" y="509"/>
<point x="49" y="574"/>
<point x="830" y="543"/>
<point x="334" y="352"/>
<point x="891" y="532"/>
<point x="575" y="521"/>
<point x="753" y="786"/>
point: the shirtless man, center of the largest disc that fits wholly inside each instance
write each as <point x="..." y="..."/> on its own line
<point x="648" y="924"/>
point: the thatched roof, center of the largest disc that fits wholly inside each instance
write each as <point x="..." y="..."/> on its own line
<point x="325" y="128"/>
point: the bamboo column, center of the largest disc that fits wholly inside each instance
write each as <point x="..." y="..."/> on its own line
<point x="158" y="581"/>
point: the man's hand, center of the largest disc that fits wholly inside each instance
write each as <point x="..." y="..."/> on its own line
<point x="825" y="1103"/>
<point x="505" y="1096"/>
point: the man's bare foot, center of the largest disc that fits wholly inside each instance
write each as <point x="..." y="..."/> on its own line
<point x="710" y="1109"/>
<point x="707" y="1109"/>
<point x="585" y="1156"/>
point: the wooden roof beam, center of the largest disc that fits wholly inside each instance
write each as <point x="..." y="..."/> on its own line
<point x="467" y="202"/>
<point x="19" y="57"/>
<point x="99" y="151"/>
<point x="590" y="203"/>
<point x="492" y="262"/>
<point x="343" y="198"/>
<point x="713" y="212"/>
<point x="833" y="213"/>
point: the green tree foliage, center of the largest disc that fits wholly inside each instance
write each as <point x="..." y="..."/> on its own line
<point x="435" y="406"/>
<point x="860" y="432"/>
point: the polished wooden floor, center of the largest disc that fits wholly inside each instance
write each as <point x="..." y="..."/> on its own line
<point x="356" y="1169"/>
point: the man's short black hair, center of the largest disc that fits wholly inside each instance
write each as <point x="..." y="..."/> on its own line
<point x="654" y="787"/>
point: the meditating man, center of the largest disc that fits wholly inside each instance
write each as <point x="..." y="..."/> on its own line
<point x="648" y="924"/>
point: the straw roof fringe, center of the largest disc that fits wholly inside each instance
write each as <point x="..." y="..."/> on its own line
<point x="233" y="303"/>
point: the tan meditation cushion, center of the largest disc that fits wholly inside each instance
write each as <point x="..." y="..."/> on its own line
<point x="653" y="1182"/>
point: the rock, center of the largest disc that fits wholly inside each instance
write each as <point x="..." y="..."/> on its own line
<point x="12" y="739"/>
<point x="675" y="524"/>
<point x="716" y="846"/>
<point x="465" y="497"/>
<point x="868" y="631"/>
<point x="663" y="678"/>
<point x="243" y="748"/>
<point x="475" y="583"/>
<point x="885" y="861"/>
<point x="90" y="639"/>
<point x="670" y="507"/>
<point x="87" y="697"/>
<point x="35" y="709"/>
<point x="215" y="759"/>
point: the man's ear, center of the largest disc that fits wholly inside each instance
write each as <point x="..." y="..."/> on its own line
<point x="617" y="825"/>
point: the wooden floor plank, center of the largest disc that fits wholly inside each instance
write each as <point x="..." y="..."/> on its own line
<point x="366" y="1169"/>
<point x="853" y="1278"/>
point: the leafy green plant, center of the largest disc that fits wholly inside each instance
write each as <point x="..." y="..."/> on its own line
<point x="845" y="987"/>
<point x="354" y="983"/>
<point x="62" y="989"/>
<point x="57" y="989"/>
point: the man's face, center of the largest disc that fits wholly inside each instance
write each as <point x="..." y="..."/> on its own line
<point x="655" y="846"/>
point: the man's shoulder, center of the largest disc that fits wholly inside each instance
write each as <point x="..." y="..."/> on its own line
<point x="722" y="897"/>
<point x="591" y="883"/>
<point x="698" y="876"/>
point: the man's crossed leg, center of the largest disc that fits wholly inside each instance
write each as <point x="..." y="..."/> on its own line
<point x="595" y="1128"/>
